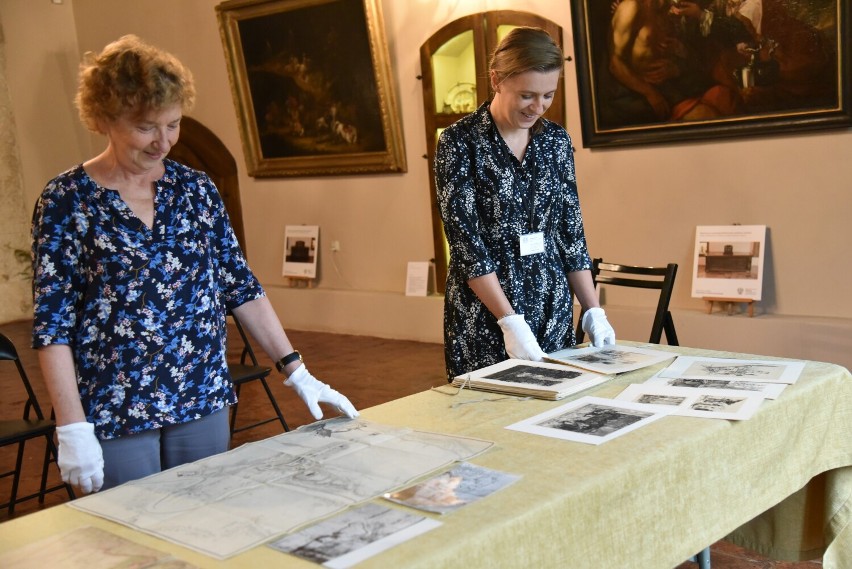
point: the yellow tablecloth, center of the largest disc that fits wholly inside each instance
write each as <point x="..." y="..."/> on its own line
<point x="649" y="499"/>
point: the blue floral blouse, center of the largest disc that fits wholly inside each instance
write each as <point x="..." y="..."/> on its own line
<point x="488" y="199"/>
<point x="143" y="309"/>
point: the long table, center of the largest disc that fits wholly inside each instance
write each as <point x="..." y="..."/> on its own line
<point x="779" y="483"/>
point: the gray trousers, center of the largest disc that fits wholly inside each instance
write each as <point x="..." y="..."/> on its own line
<point x="135" y="456"/>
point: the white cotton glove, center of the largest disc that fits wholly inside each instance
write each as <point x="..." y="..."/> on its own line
<point x="519" y="339"/>
<point x="597" y="327"/>
<point x="313" y="392"/>
<point x="80" y="460"/>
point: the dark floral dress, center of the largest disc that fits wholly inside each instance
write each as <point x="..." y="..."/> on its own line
<point x="488" y="199"/>
<point x="143" y="309"/>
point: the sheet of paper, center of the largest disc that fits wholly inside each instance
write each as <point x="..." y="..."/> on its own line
<point x="610" y="359"/>
<point x="768" y="390"/>
<point x="89" y="548"/>
<point x="705" y="403"/>
<point x="592" y="420"/>
<point x="355" y="535"/>
<point x="766" y="371"/>
<point x="419" y="278"/>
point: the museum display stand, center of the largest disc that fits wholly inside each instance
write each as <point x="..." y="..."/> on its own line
<point x="729" y="304"/>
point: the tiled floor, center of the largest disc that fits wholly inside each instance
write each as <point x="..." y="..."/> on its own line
<point x="370" y="371"/>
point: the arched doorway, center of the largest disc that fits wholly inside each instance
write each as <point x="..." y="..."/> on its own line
<point x="199" y="148"/>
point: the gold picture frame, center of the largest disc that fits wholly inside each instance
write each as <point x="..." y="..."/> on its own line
<point x="312" y="84"/>
<point x="726" y="72"/>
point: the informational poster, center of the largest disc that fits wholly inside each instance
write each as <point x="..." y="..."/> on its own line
<point x="729" y="261"/>
<point x="301" y="245"/>
<point x="420" y="278"/>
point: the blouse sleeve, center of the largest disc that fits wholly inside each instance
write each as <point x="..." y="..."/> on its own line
<point x="237" y="282"/>
<point x="455" y="182"/>
<point x="59" y="283"/>
<point x="571" y="238"/>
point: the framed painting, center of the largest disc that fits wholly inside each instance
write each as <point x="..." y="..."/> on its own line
<point x="312" y="83"/>
<point x="668" y="70"/>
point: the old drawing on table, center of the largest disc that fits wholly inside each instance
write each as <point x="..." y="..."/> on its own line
<point x="591" y="420"/>
<point x="231" y="502"/>
<point x="768" y="390"/>
<point x="706" y="403"/>
<point x="766" y="371"/>
<point x="610" y="359"/>
<point x="78" y="548"/>
<point x="354" y="535"/>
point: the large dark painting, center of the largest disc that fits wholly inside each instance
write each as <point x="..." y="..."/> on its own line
<point x="312" y="83"/>
<point x="666" y="70"/>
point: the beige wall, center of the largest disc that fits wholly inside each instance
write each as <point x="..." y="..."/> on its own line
<point x="14" y="234"/>
<point x="641" y="204"/>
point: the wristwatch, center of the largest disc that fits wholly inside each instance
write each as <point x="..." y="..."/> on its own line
<point x="287" y="360"/>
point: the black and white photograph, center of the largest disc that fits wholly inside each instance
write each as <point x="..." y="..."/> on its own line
<point x="660" y="399"/>
<point x="610" y="359"/>
<point x="768" y="390"/>
<point x="691" y="402"/>
<point x="767" y="371"/>
<point x="591" y="420"/>
<point x="534" y="375"/>
<point x="353" y="536"/>
<point x="543" y="380"/>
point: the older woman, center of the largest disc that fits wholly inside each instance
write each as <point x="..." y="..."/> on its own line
<point x="135" y="265"/>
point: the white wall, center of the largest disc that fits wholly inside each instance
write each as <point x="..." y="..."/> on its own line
<point x="641" y="204"/>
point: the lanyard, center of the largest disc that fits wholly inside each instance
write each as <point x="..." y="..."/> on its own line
<point x="527" y="194"/>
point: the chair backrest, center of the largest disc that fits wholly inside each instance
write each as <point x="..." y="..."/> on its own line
<point x="9" y="353"/>
<point x="659" y="278"/>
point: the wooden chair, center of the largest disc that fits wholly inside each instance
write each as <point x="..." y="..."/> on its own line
<point x="32" y="425"/>
<point x="659" y="278"/>
<point x="246" y="370"/>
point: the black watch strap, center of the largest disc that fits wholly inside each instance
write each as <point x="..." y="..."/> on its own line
<point x="287" y="360"/>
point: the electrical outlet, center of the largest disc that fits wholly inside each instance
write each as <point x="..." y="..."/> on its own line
<point x="335" y="246"/>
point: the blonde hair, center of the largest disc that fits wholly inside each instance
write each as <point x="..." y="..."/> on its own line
<point x="525" y="49"/>
<point x="130" y="76"/>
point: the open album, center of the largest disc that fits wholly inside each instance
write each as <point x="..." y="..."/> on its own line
<point x="542" y="380"/>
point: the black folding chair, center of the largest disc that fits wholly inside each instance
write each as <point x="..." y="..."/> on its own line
<point x="31" y="425"/>
<point x="658" y="278"/>
<point x="246" y="370"/>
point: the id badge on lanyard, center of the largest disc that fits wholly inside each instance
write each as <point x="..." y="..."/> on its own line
<point x="532" y="243"/>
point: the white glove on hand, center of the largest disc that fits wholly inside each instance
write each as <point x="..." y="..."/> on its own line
<point x="597" y="327"/>
<point x="519" y="339"/>
<point x="313" y="392"/>
<point x="80" y="460"/>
